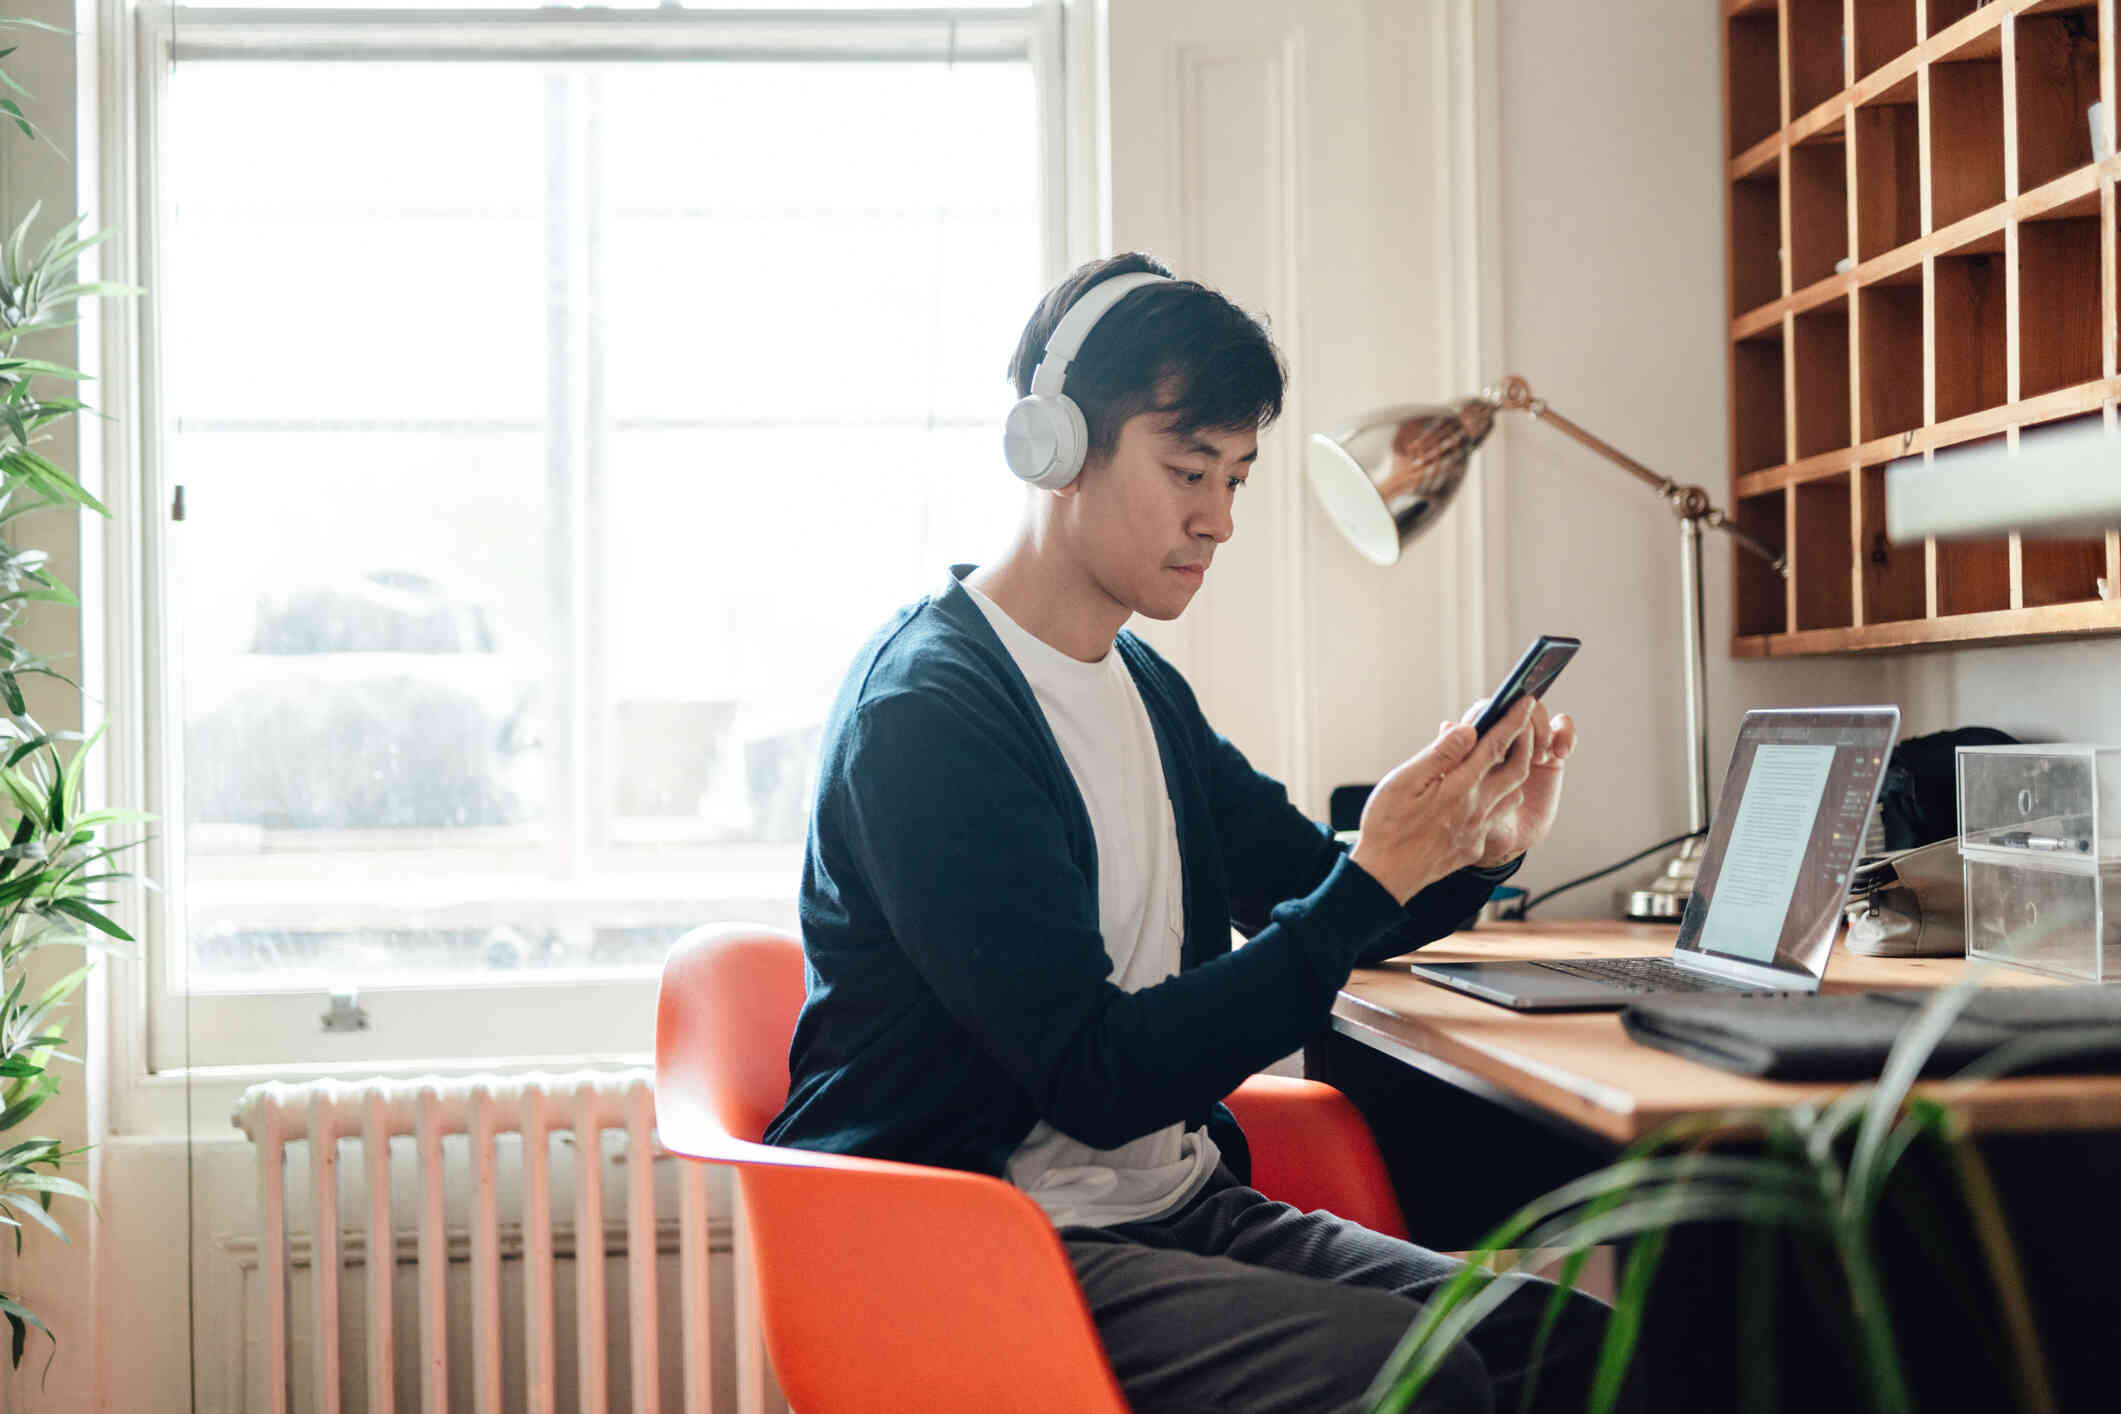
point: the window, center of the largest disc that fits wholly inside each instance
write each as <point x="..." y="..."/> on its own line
<point x="558" y="400"/>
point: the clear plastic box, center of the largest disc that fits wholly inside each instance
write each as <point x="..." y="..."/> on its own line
<point x="2061" y="801"/>
<point x="2040" y="845"/>
<point x="2063" y="919"/>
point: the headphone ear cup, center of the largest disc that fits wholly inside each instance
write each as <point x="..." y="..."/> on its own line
<point x="1043" y="440"/>
<point x="1074" y="443"/>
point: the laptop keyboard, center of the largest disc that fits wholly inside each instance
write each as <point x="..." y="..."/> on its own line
<point x="1645" y="974"/>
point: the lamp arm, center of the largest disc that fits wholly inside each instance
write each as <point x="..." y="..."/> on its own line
<point x="1688" y="502"/>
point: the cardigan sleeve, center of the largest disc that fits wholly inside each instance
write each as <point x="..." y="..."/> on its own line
<point x="1272" y="851"/>
<point x="966" y="854"/>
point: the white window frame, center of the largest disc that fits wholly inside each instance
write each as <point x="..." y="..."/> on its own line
<point x="150" y="1011"/>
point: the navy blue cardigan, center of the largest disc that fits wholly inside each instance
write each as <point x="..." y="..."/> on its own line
<point x="958" y="986"/>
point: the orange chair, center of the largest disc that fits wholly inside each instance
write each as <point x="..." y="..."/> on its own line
<point x="890" y="1286"/>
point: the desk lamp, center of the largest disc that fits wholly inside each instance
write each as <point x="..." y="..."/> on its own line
<point x="1390" y="476"/>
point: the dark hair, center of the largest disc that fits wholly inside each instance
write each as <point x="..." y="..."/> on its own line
<point x="1178" y="348"/>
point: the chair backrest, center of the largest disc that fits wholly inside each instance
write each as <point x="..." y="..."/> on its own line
<point x="724" y="1017"/>
<point x="881" y="1285"/>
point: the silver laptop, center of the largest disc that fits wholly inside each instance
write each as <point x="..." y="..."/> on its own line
<point x="1767" y="902"/>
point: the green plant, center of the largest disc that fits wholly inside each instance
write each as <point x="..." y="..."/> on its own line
<point x="55" y="868"/>
<point x="1816" y="1174"/>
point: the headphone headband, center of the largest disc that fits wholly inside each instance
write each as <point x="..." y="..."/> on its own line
<point x="1066" y="340"/>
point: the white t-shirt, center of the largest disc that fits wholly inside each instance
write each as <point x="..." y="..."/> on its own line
<point x="1097" y="717"/>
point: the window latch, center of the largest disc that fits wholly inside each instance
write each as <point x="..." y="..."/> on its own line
<point x="345" y="1014"/>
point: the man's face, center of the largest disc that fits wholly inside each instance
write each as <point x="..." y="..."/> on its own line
<point x="1145" y="522"/>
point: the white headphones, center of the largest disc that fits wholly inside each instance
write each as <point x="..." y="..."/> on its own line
<point x="1046" y="438"/>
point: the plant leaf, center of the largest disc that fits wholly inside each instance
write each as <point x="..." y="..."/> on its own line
<point x="38" y="365"/>
<point x="35" y="1211"/>
<point x="22" y="1108"/>
<point x="1624" y="1328"/>
<point x="74" y="908"/>
<point x="14" y="110"/>
<point x="27" y="796"/>
<point x="1902" y="1064"/>
<point x="30" y="747"/>
<point x="65" y="987"/>
<point x="2005" y="1273"/>
<point x="49" y="1183"/>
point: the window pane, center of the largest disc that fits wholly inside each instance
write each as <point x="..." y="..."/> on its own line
<point x="551" y="442"/>
<point x="353" y="658"/>
<point x="749" y="565"/>
<point x="874" y="260"/>
<point x="377" y="251"/>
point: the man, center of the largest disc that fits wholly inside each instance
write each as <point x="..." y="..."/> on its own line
<point x="1028" y="850"/>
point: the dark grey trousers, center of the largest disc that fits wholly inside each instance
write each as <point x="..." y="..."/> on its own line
<point x="1237" y="1304"/>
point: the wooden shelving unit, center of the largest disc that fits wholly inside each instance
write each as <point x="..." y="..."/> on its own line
<point x="1922" y="253"/>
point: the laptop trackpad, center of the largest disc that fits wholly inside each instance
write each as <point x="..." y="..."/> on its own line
<point x="1522" y="985"/>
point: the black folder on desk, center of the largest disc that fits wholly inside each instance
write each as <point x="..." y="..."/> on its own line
<point x="1847" y="1035"/>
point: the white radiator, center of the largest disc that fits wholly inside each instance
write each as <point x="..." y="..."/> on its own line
<point x="535" y="1107"/>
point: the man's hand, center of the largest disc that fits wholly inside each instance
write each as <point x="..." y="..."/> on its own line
<point x="1522" y="821"/>
<point x="1433" y="815"/>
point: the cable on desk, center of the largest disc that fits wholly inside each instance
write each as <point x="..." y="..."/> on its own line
<point x="1535" y="900"/>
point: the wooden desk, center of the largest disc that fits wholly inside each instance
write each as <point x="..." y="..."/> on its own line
<point x="1479" y="1109"/>
<point x="1580" y="1068"/>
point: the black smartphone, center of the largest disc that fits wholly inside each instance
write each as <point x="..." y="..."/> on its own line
<point x="1534" y="674"/>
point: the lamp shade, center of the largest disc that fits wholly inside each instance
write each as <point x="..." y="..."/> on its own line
<point x="1389" y="476"/>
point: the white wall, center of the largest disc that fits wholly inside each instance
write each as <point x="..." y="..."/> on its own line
<point x="2035" y="691"/>
<point x="1613" y="270"/>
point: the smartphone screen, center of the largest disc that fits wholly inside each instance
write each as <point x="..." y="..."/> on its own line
<point x="1534" y="674"/>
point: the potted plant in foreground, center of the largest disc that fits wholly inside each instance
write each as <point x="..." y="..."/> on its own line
<point x="56" y="868"/>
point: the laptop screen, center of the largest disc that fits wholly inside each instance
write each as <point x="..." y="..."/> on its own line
<point x="1785" y="834"/>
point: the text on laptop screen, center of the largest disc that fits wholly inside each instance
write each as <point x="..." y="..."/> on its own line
<point x="1784" y="836"/>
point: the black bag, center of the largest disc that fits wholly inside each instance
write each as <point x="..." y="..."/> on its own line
<point x="1919" y="798"/>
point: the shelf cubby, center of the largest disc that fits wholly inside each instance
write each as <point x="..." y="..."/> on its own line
<point x="1762" y="606"/>
<point x="1754" y="75"/>
<point x="1943" y="14"/>
<point x="1819" y="208"/>
<point x="1966" y="136"/>
<point x="1815" y="53"/>
<point x="2060" y="304"/>
<point x="1973" y="576"/>
<point x="1889" y="357"/>
<point x="1969" y="338"/>
<point x="2058" y="82"/>
<point x="1756" y="403"/>
<point x="1894" y="577"/>
<point x="1887" y="135"/>
<point x="1819" y="355"/>
<point x="1923" y="256"/>
<point x="1756" y="239"/>
<point x="1825" y="585"/>
<point x="1885" y="30"/>
<point x="2062" y="570"/>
